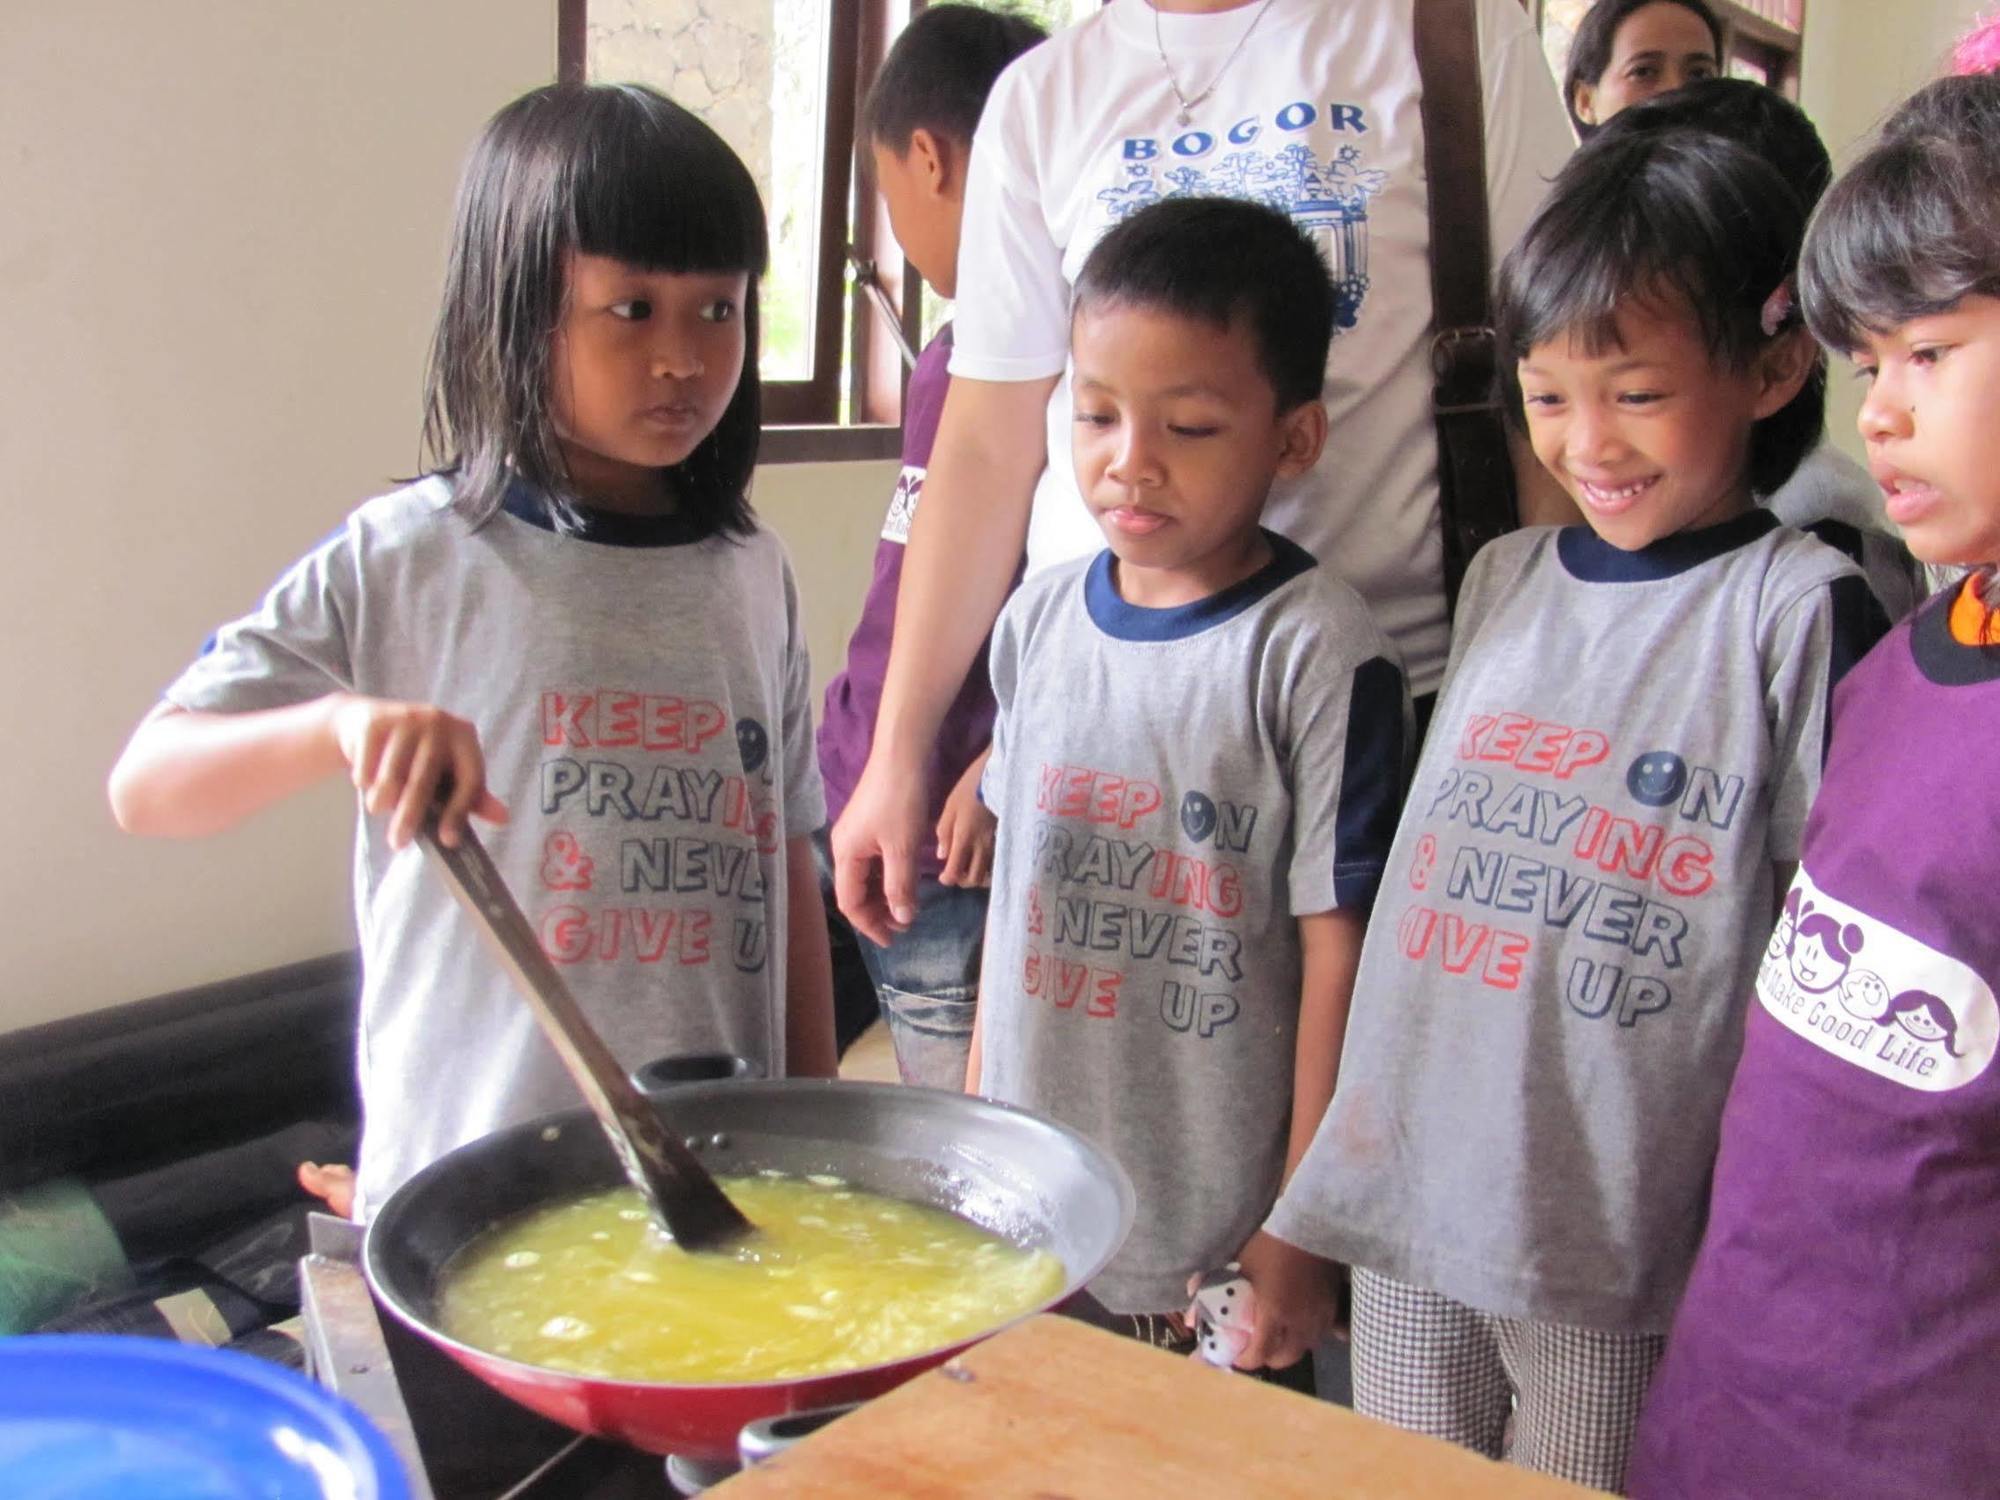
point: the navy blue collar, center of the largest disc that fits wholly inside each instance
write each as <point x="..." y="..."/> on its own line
<point x="1135" y="622"/>
<point x="1587" y="556"/>
<point x="606" y="527"/>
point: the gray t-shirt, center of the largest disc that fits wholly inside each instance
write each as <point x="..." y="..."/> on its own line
<point x="1175" y="787"/>
<point x="1838" y="501"/>
<point x="1550" y="1000"/>
<point x="642" y="704"/>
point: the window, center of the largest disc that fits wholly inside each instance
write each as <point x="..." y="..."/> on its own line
<point x="1761" y="39"/>
<point x="777" y="80"/>
<point x="782" y="81"/>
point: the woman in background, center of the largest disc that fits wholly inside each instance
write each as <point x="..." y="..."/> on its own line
<point x="1629" y="50"/>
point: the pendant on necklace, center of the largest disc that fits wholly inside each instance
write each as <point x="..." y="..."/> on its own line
<point x="1185" y="118"/>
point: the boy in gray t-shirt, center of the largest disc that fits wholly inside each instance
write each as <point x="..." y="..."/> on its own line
<point x="1196" y="768"/>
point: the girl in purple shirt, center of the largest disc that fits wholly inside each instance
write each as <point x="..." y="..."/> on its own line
<point x="1841" y="1332"/>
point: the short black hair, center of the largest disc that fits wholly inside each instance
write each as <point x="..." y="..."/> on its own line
<point x="1224" y="261"/>
<point x="1590" y="48"/>
<point x="1679" y="215"/>
<point x="938" y="74"/>
<point x="1913" y="227"/>
<point x="617" y="170"/>
<point x="1750" y="114"/>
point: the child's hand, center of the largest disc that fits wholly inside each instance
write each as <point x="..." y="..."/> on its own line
<point x="400" y="756"/>
<point x="334" y="1184"/>
<point x="1297" y="1301"/>
<point x="965" y="832"/>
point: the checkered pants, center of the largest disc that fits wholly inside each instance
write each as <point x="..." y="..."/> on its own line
<point x="1559" y="1399"/>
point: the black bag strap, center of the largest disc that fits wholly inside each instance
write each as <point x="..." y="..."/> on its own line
<point x="1476" y="500"/>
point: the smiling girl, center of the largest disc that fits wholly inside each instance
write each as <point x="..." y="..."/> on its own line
<point x="1551" y="995"/>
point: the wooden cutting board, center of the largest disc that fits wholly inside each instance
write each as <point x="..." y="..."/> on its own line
<point x="1055" y="1410"/>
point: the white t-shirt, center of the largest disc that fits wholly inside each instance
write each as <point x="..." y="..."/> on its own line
<point x="1318" y="114"/>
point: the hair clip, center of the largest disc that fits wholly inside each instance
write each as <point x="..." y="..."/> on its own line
<point x="1978" y="51"/>
<point x="1778" y="309"/>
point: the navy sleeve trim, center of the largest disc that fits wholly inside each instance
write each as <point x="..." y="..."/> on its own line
<point x="1857" y="622"/>
<point x="1371" y="783"/>
<point x="1843" y="538"/>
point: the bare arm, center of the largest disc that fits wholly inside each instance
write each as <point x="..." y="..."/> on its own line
<point x="810" y="1051"/>
<point x="965" y="543"/>
<point x="1296" y="1299"/>
<point x="966" y="830"/>
<point x="1330" y="950"/>
<point x="185" y="775"/>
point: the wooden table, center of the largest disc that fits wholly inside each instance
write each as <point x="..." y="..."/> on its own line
<point x="1055" y="1410"/>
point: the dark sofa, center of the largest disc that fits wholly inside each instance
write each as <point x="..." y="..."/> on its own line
<point x="182" y="1119"/>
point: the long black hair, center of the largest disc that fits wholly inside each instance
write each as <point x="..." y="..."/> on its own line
<point x="1913" y="227"/>
<point x="1679" y="216"/>
<point x="1597" y="34"/>
<point x="617" y="170"/>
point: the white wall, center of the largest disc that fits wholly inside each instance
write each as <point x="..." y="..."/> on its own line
<point x="830" y="516"/>
<point x="219" y="258"/>
<point x="1862" y="58"/>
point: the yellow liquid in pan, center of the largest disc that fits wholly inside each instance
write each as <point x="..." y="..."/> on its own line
<point x="833" y="1279"/>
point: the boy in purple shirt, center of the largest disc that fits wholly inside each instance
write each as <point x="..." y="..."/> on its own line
<point x="919" y="123"/>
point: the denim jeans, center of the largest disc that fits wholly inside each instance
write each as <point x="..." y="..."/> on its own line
<point x="927" y="979"/>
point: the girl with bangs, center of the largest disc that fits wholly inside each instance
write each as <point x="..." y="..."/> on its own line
<point x="572" y="628"/>
<point x="1841" y="1331"/>
<point x="1551" y="991"/>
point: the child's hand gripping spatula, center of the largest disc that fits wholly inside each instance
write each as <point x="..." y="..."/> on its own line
<point x="674" y="1184"/>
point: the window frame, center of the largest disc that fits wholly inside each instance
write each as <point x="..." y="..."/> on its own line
<point x="1773" y="45"/>
<point x="802" y="417"/>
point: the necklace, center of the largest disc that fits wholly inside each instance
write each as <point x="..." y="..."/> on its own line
<point x="1186" y="115"/>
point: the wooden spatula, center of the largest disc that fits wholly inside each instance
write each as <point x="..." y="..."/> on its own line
<point x="673" y="1182"/>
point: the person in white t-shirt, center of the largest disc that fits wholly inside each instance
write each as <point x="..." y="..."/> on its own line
<point x="1307" y="105"/>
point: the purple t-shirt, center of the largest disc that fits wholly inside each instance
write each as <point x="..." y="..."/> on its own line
<point x="847" y="727"/>
<point x="1841" y="1332"/>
